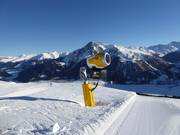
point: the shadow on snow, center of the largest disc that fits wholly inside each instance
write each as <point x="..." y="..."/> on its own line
<point x="29" y="98"/>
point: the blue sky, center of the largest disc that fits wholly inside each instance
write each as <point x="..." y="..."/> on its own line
<point x="34" y="26"/>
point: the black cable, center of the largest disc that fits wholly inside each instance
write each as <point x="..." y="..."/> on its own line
<point x="95" y="86"/>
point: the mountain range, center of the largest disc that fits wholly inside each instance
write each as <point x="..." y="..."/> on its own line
<point x="154" y="64"/>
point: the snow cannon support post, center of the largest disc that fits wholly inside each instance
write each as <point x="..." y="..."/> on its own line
<point x="88" y="94"/>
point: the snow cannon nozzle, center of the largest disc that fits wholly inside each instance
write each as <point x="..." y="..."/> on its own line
<point x="99" y="61"/>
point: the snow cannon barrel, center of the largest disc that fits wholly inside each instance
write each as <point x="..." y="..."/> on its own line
<point x="99" y="61"/>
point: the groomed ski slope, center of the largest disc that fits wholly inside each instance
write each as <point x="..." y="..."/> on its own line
<point x="148" y="116"/>
<point x="39" y="108"/>
<point x="56" y="108"/>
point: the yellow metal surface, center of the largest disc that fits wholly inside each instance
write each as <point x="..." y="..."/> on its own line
<point x="97" y="60"/>
<point x="88" y="94"/>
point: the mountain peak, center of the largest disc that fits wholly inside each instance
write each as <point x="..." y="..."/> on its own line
<point x="93" y="44"/>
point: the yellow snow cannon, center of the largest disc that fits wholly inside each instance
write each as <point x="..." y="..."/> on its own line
<point x="99" y="61"/>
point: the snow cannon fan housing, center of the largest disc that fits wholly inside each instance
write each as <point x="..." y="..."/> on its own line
<point x="99" y="61"/>
<point x="97" y="65"/>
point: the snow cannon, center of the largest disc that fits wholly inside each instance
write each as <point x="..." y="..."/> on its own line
<point x="99" y="61"/>
<point x="97" y="64"/>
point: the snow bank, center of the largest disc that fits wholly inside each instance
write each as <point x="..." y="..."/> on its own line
<point x="47" y="107"/>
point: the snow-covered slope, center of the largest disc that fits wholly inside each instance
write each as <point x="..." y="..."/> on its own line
<point x="37" y="108"/>
<point x="148" y="116"/>
<point x="50" y="108"/>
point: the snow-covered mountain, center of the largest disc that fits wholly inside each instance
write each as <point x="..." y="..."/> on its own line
<point x="128" y="54"/>
<point x="48" y="55"/>
<point x="24" y="57"/>
<point x="132" y="65"/>
<point x="125" y="53"/>
<point x="19" y="58"/>
<point x="163" y="49"/>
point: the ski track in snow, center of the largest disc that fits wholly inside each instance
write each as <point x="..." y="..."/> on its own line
<point x="148" y="116"/>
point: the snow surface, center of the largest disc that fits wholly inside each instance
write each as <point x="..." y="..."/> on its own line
<point x="148" y="116"/>
<point x="51" y="108"/>
<point x="56" y="107"/>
